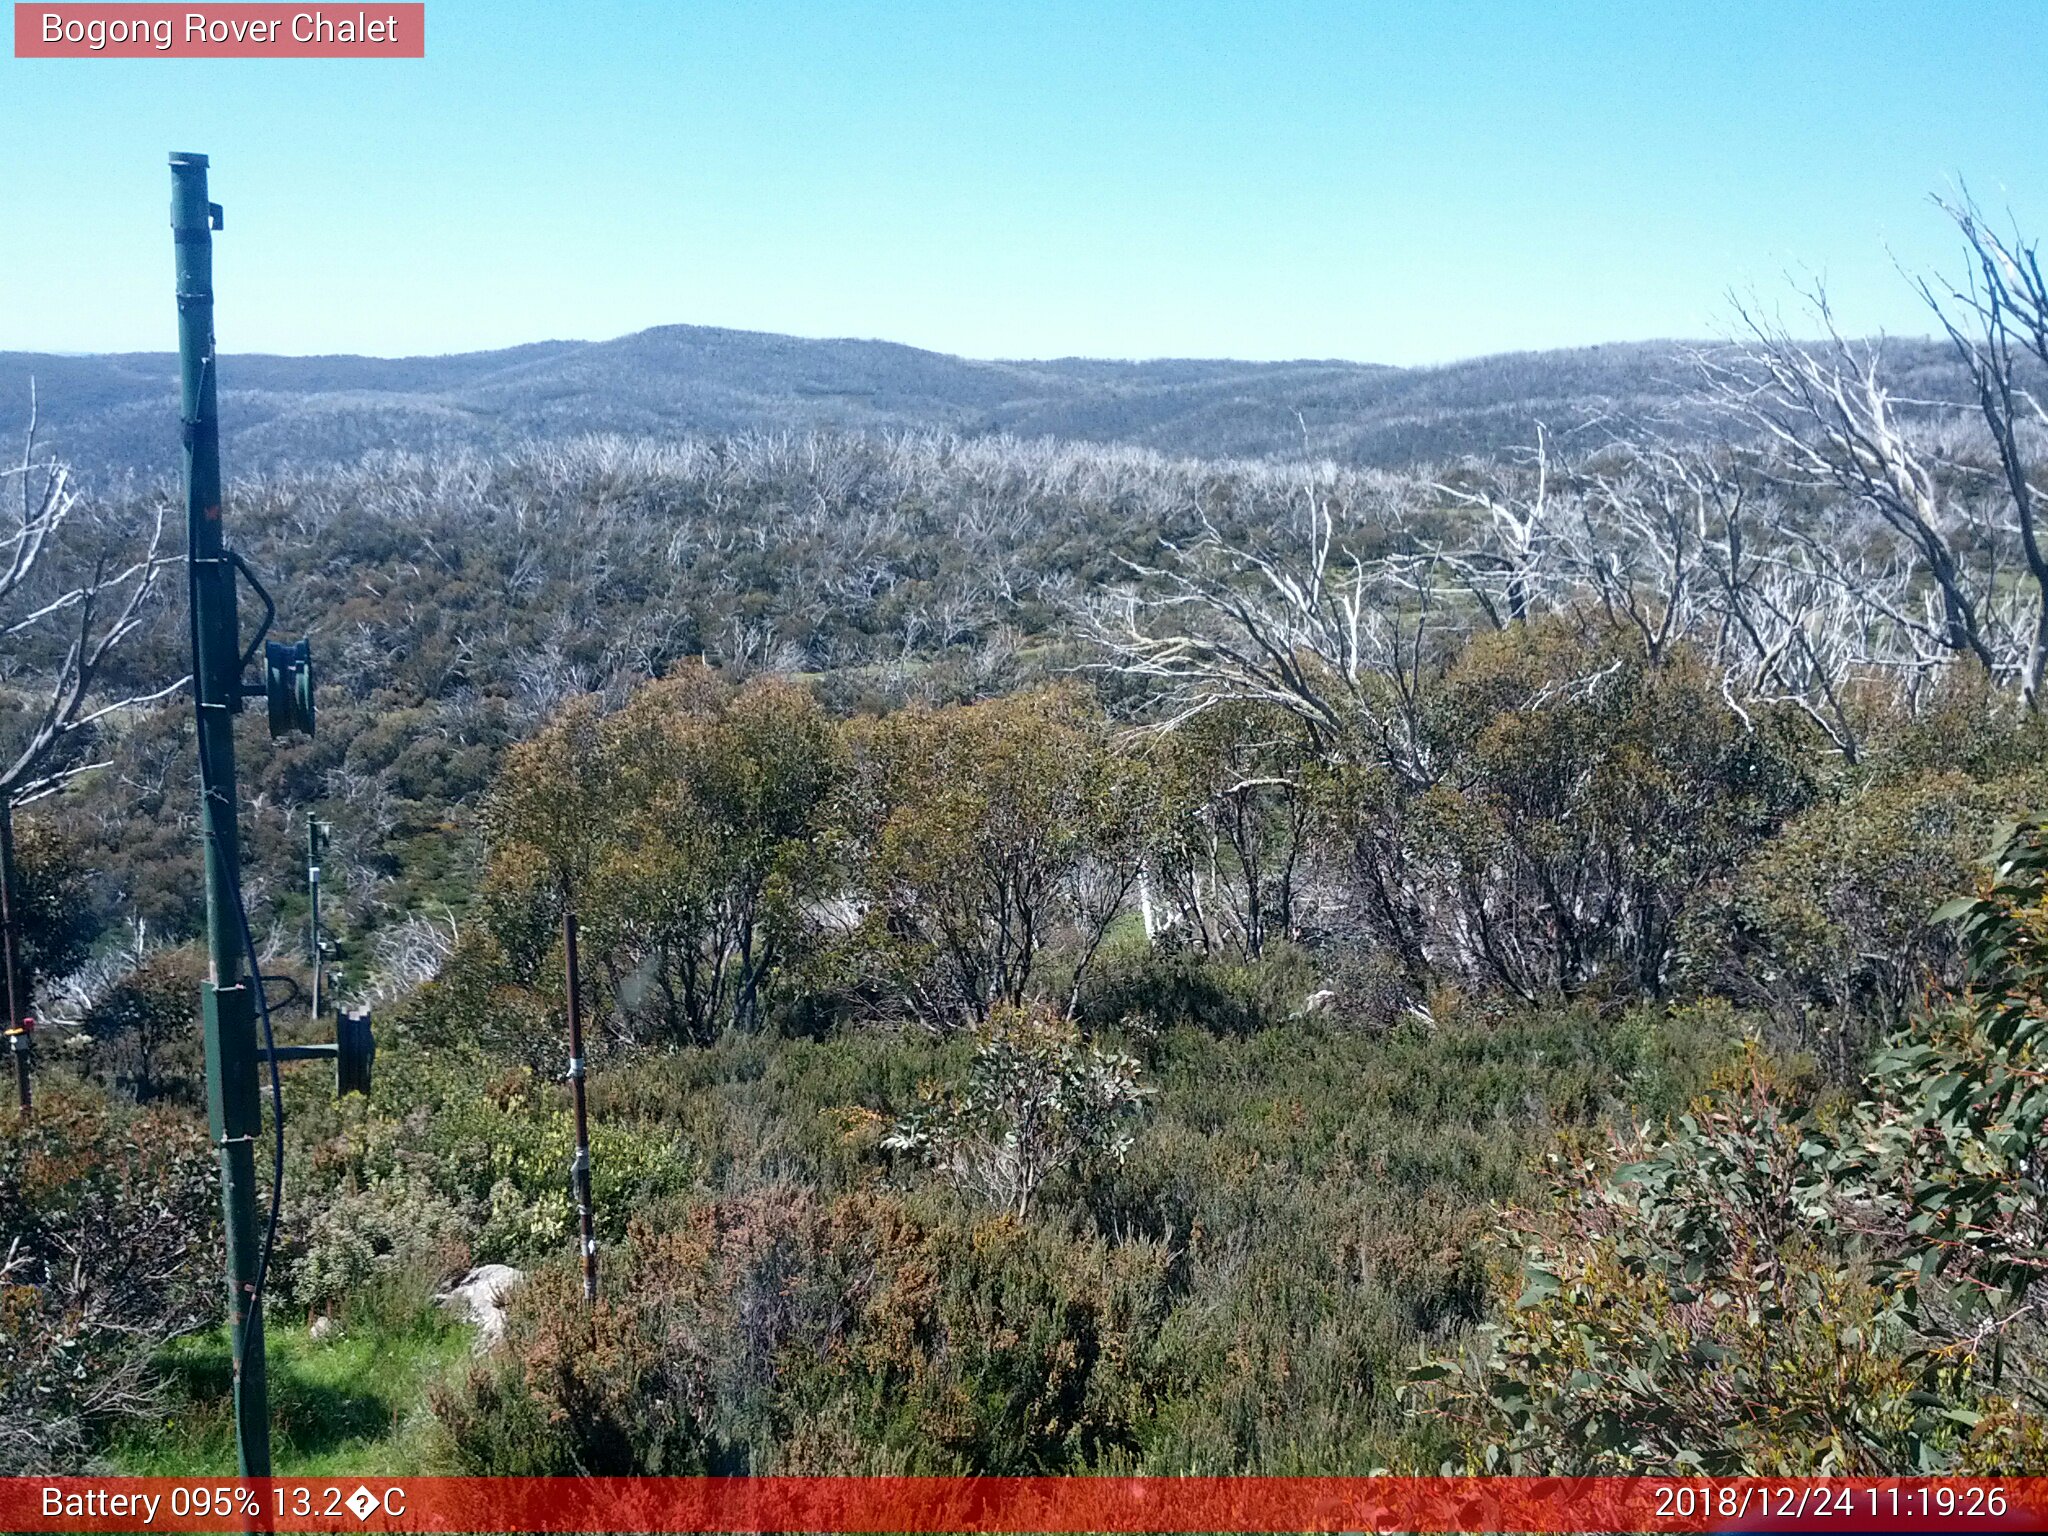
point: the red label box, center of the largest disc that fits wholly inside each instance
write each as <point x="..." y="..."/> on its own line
<point x="240" y="31"/>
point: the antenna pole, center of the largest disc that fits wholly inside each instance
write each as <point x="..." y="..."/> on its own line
<point x="579" y="1170"/>
<point x="228" y="1009"/>
<point x="315" y="838"/>
<point x="18" y="1040"/>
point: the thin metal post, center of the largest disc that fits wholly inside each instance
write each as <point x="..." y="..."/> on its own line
<point x="313" y="883"/>
<point x="227" y="1006"/>
<point x="579" y="1170"/>
<point x="18" y="1040"/>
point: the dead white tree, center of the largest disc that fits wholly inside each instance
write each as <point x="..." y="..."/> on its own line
<point x="76" y="580"/>
<point x="410" y="954"/>
<point x="1679" y="542"/>
<point x="1997" y="320"/>
<point x="1829" y="424"/>
<point x="1671" y="542"/>
<point x="1505" y="562"/>
<point x="1308" y="622"/>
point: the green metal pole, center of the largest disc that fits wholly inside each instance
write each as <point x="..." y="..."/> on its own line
<point x="233" y="1104"/>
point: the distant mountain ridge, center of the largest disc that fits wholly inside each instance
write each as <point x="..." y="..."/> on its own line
<point x="117" y="412"/>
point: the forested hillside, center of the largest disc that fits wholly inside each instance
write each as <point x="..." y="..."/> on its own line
<point x="1094" y="960"/>
<point x="108" y="414"/>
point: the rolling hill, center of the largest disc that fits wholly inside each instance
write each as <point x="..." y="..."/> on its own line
<point x="117" y="412"/>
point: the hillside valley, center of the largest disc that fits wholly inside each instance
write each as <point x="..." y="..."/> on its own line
<point x="117" y="413"/>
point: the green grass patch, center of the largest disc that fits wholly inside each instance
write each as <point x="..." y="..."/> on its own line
<point x="347" y="1404"/>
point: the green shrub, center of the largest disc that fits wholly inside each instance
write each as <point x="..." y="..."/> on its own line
<point x="1830" y="925"/>
<point x="1307" y="1204"/>
<point x="110" y="1219"/>
<point x="1037" y="1107"/>
<point x="142" y="1033"/>
<point x="1149" y="988"/>
<point x="509" y="1152"/>
<point x="775" y="1332"/>
<point x="368" y="1234"/>
<point x="1781" y="1288"/>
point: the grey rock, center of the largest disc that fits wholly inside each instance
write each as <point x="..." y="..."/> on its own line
<point x="479" y="1298"/>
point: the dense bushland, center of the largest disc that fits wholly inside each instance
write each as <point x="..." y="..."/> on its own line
<point x="1210" y="1166"/>
<point x="1295" y="1217"/>
<point x="818" y="912"/>
<point x="1790" y="1281"/>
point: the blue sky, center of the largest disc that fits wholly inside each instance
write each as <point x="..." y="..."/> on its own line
<point x="1400" y="183"/>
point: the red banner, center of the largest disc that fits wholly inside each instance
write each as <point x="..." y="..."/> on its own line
<point x="1023" y="1504"/>
<point x="372" y="31"/>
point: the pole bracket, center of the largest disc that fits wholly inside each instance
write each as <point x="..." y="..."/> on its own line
<point x="234" y="557"/>
<point x="352" y="1050"/>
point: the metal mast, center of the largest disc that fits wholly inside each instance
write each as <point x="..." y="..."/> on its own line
<point x="231" y="997"/>
<point x="229" y="1015"/>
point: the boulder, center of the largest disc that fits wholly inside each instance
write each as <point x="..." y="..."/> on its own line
<point x="479" y="1297"/>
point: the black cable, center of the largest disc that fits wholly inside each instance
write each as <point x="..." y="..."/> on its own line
<point x="255" y="977"/>
<point x="276" y="1099"/>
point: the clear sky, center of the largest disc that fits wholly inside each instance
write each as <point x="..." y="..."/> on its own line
<point x="1273" y="178"/>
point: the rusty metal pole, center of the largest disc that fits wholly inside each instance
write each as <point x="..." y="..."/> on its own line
<point x="579" y="1169"/>
<point x="316" y="840"/>
<point x="18" y="1040"/>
